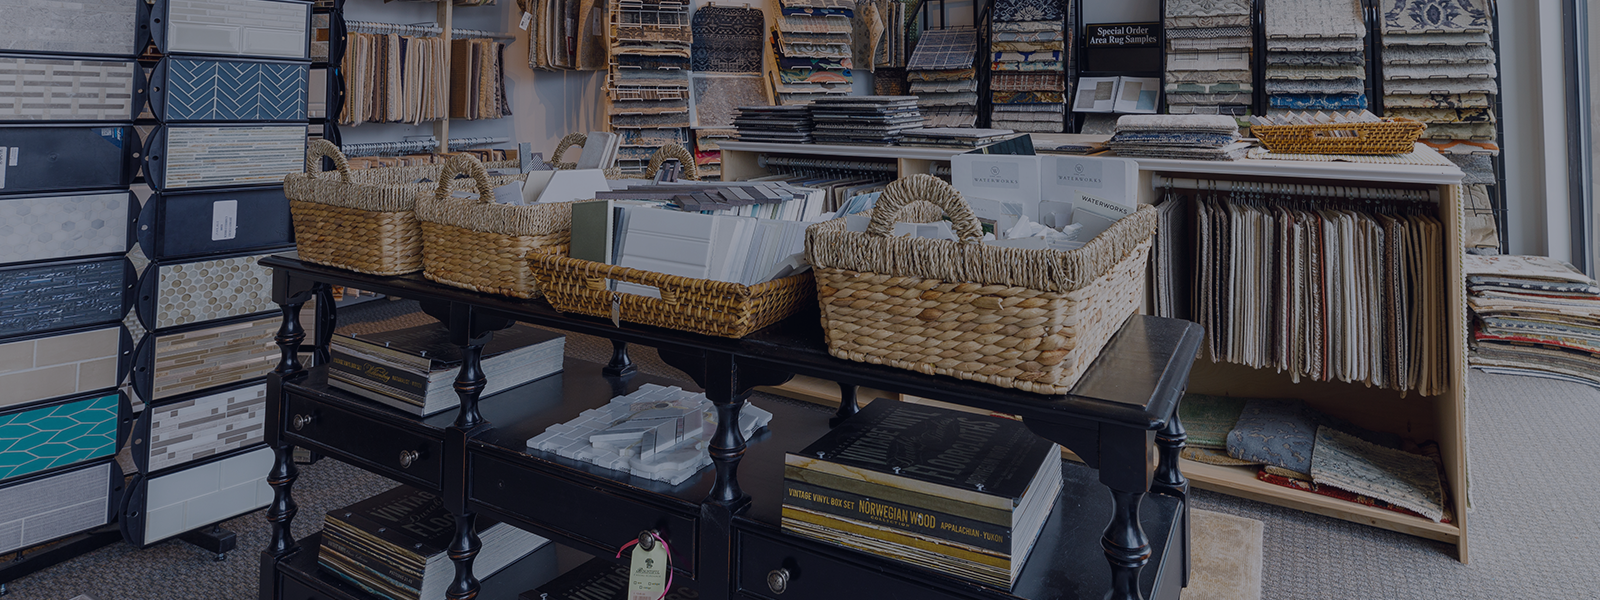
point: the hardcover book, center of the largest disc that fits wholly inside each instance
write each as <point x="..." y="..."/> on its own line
<point x="948" y="490"/>
<point x="413" y="367"/>
<point x="396" y="545"/>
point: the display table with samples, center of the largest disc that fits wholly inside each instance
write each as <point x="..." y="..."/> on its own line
<point x="722" y="525"/>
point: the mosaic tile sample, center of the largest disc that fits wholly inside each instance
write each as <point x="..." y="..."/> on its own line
<point x="179" y="224"/>
<point x="193" y="498"/>
<point x="41" y="510"/>
<point x="218" y="90"/>
<point x="196" y="360"/>
<point x="57" y="296"/>
<point x="56" y="436"/>
<point x="193" y="429"/>
<point x="60" y="365"/>
<point x="44" y="158"/>
<point x="238" y="27"/>
<point x="46" y="89"/>
<point x="78" y="27"/>
<point x="55" y="227"/>
<point x="215" y="156"/>
<point x="192" y="292"/>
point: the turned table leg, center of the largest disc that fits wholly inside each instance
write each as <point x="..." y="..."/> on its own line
<point x="281" y="478"/>
<point x="1169" y="478"/>
<point x="847" y="405"/>
<point x="620" y="365"/>
<point x="464" y="545"/>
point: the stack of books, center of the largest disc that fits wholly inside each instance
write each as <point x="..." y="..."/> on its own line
<point x="396" y="545"/>
<point x="868" y="120"/>
<point x="410" y="363"/>
<point x="778" y="124"/>
<point x="950" y="491"/>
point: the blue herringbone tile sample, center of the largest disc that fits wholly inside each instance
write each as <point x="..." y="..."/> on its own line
<point x="55" y="296"/>
<point x="54" y="436"/>
<point x="216" y="90"/>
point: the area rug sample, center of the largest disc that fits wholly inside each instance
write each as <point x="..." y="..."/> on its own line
<point x="1227" y="555"/>
<point x="727" y="39"/>
<point x="1208" y="419"/>
<point x="1401" y="478"/>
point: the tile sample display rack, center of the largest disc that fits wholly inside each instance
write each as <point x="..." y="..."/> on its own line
<point x="723" y="524"/>
<point x="339" y="27"/>
<point x="229" y="89"/>
<point x="1441" y="417"/>
<point x="68" y="154"/>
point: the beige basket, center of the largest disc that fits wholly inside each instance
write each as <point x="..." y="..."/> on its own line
<point x="479" y="245"/>
<point x="361" y="220"/>
<point x="1032" y="320"/>
<point x="1392" y="136"/>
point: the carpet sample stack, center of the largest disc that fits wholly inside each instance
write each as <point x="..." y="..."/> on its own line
<point x="777" y="124"/>
<point x="864" y="120"/>
<point x="1535" y="316"/>
<point x="811" y="45"/>
<point x="1439" y="68"/>
<point x="942" y="77"/>
<point x="1198" y="137"/>
<point x="1028" y="77"/>
<point x="1209" y="45"/>
<point x="1316" y="57"/>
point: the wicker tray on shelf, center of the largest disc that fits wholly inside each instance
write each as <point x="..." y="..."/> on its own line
<point x="361" y="219"/>
<point x="1026" y="319"/>
<point x="1392" y="136"/>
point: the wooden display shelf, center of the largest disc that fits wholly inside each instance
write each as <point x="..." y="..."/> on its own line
<point x="1440" y="418"/>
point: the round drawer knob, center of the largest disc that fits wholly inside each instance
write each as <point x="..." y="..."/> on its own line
<point x="778" y="581"/>
<point x="301" y="421"/>
<point x="647" y="540"/>
<point x="408" y="457"/>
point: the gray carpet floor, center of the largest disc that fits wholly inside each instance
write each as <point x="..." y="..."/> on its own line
<point x="1534" y="531"/>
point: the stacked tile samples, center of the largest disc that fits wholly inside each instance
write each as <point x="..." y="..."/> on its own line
<point x="812" y="48"/>
<point x="1215" y="37"/>
<point x="232" y="121"/>
<point x="780" y="124"/>
<point x="1316" y="56"/>
<point x="869" y="120"/>
<point x="726" y="62"/>
<point x="649" y="77"/>
<point x="942" y="76"/>
<point x="1439" y="68"/>
<point x="69" y="91"/>
<point x="1027" y="70"/>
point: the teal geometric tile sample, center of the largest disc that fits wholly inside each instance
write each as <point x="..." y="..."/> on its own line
<point x="54" y="436"/>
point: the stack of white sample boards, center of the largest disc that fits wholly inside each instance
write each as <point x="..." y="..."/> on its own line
<point x="1038" y="202"/>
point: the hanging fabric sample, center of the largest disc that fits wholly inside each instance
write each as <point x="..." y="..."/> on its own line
<point x="392" y="78"/>
<point x="1038" y="72"/>
<point x="1315" y="55"/>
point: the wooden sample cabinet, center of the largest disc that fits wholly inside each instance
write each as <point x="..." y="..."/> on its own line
<point x="1440" y="417"/>
<point x="723" y="524"/>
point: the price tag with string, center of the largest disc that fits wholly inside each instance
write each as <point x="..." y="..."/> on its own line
<point x="650" y="570"/>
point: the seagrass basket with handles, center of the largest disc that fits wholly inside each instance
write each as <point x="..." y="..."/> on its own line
<point x="1031" y="320"/>
<point x="477" y="244"/>
<point x="1390" y="136"/>
<point x="361" y="219"/>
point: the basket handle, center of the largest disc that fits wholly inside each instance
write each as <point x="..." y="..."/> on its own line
<point x="923" y="186"/>
<point x="320" y="148"/>
<point x="671" y="152"/>
<point x="1328" y="134"/>
<point x="572" y="139"/>
<point x="464" y="163"/>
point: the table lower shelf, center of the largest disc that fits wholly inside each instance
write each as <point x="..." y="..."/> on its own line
<point x="297" y="577"/>
<point x="1242" y="482"/>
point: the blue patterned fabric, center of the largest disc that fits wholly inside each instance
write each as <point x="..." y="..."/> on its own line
<point x="55" y="436"/>
<point x="216" y="90"/>
<point x="1319" y="101"/>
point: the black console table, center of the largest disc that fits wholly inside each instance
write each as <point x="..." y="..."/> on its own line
<point x="722" y="525"/>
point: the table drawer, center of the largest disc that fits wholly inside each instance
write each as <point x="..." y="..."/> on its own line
<point x="808" y="574"/>
<point x="579" y="511"/>
<point x="291" y="589"/>
<point x="366" y="442"/>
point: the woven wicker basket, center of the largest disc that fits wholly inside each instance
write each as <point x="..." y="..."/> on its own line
<point x="697" y="305"/>
<point x="361" y="220"/>
<point x="1392" y="136"/>
<point x="671" y="152"/>
<point x="479" y="245"/>
<point x="1032" y="320"/>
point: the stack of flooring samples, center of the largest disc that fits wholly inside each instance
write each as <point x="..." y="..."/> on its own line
<point x="1207" y="36"/>
<point x="1533" y="316"/>
<point x="870" y="120"/>
<point x="811" y="46"/>
<point x="649" y="78"/>
<point x="1316" y="57"/>
<point x="1439" y="68"/>
<point x="779" y="124"/>
<point x="1028" y="76"/>
<point x="942" y="76"/>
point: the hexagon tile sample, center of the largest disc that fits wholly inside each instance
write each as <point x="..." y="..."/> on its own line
<point x="53" y="436"/>
<point x="53" y="227"/>
<point x="211" y="289"/>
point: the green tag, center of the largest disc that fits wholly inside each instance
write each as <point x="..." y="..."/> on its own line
<point x="647" y="577"/>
